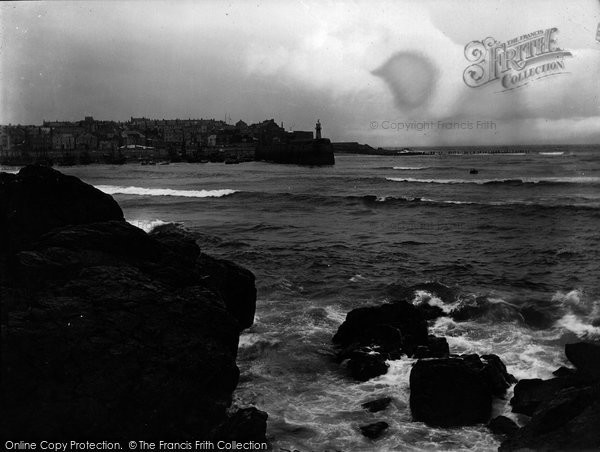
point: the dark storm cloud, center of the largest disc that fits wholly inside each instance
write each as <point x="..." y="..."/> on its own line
<point x="291" y="61"/>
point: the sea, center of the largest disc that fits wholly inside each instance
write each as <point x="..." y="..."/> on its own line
<point x="519" y="238"/>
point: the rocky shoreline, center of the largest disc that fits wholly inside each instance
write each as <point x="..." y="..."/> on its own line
<point x="110" y="332"/>
<point x="449" y="390"/>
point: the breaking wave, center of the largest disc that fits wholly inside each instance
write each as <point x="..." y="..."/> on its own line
<point x="147" y="225"/>
<point x="115" y="189"/>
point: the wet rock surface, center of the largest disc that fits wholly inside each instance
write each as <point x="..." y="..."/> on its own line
<point x="501" y="425"/>
<point x="377" y="405"/>
<point x="372" y="335"/>
<point x="109" y="332"/>
<point x="375" y="430"/>
<point x="457" y="390"/>
<point x="565" y="411"/>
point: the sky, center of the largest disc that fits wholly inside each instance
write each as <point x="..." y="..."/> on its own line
<point x="366" y="70"/>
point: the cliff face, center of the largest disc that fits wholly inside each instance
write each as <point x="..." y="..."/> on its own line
<point x="109" y="332"/>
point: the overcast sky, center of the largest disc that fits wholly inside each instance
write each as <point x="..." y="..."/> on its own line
<point x="353" y="65"/>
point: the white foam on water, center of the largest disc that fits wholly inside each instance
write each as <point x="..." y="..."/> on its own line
<point x="249" y="339"/>
<point x="336" y="313"/>
<point x="576" y="325"/>
<point x="147" y="225"/>
<point x="520" y="348"/>
<point x="398" y="373"/>
<point x="572" y="299"/>
<point x="141" y="191"/>
<point x="10" y="169"/>
<point x="424" y="297"/>
<point x="580" y="312"/>
<point x="410" y="168"/>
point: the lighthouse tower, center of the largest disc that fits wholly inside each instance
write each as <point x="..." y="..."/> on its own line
<point x="318" y="129"/>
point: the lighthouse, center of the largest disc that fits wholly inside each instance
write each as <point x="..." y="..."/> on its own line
<point x="318" y="129"/>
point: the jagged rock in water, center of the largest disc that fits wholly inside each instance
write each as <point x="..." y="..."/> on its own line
<point x="371" y="335"/>
<point x="501" y="425"/>
<point x="567" y="421"/>
<point x="375" y="430"/>
<point x="377" y="405"/>
<point x="565" y="411"/>
<point x="585" y="357"/>
<point x="530" y="393"/>
<point x="455" y="391"/>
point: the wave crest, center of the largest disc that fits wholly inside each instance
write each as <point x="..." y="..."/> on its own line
<point x="141" y="191"/>
<point x="147" y="225"/>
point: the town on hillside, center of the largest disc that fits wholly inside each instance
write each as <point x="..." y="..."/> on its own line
<point x="143" y="140"/>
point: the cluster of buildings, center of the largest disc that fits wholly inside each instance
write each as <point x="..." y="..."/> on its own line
<point x="91" y="140"/>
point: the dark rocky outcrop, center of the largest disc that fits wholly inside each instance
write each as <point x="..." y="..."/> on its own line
<point x="365" y="363"/>
<point x="568" y="421"/>
<point x="39" y="199"/>
<point x="109" y="332"/>
<point x="234" y="283"/>
<point x="375" y="430"/>
<point x="529" y="394"/>
<point x="377" y="405"/>
<point x="457" y="390"/>
<point x="246" y="424"/>
<point x="482" y="307"/>
<point x="565" y="411"/>
<point x="563" y="371"/>
<point x="371" y="335"/>
<point x="436" y="347"/>
<point x="585" y="357"/>
<point x="501" y="425"/>
<point x="397" y="324"/>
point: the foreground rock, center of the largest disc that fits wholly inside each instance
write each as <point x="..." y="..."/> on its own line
<point x="109" y="332"/>
<point x="39" y="199"/>
<point x="372" y="335"/>
<point x="586" y="358"/>
<point x="457" y="390"/>
<point x="531" y="393"/>
<point x="501" y="425"/>
<point x="565" y="411"/>
<point x="246" y="424"/>
<point x="569" y="421"/>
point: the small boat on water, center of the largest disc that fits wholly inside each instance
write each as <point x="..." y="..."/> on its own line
<point x="473" y="171"/>
<point x="552" y="153"/>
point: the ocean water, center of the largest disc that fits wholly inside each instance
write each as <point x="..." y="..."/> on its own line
<point x="521" y="238"/>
